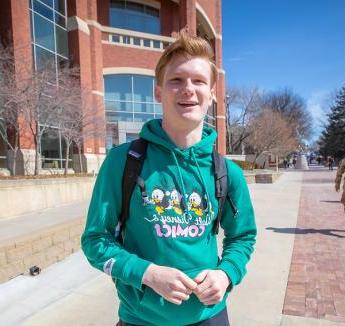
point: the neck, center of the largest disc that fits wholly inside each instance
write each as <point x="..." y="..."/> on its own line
<point x="183" y="138"/>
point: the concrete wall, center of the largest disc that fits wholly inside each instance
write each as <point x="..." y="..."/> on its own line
<point x="24" y="196"/>
<point x="42" y="248"/>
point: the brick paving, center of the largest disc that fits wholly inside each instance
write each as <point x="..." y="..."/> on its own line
<point x="316" y="284"/>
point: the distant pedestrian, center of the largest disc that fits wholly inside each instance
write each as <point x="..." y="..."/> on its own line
<point x="330" y="162"/>
<point x="294" y="161"/>
<point x="340" y="173"/>
<point x="319" y="160"/>
<point x="285" y="162"/>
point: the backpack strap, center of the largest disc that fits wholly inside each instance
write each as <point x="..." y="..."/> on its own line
<point x="135" y="160"/>
<point x="221" y="181"/>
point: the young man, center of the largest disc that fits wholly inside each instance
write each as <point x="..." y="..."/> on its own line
<point x="167" y="271"/>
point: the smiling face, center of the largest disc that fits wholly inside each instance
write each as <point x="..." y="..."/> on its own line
<point x="186" y="91"/>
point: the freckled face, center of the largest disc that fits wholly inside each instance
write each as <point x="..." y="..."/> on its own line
<point x="186" y="91"/>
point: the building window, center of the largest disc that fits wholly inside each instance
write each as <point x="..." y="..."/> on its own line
<point x="134" y="16"/>
<point x="130" y="98"/>
<point x="49" y="32"/>
<point x="50" y="45"/>
<point x="53" y="149"/>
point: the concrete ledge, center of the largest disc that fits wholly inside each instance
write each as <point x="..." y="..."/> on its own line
<point x="25" y="196"/>
<point x="41" y="248"/>
<point x="250" y="177"/>
<point x="267" y="177"/>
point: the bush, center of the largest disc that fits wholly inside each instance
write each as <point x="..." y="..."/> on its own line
<point x="244" y="165"/>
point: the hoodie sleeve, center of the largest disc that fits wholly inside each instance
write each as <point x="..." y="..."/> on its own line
<point x="98" y="240"/>
<point x="239" y="229"/>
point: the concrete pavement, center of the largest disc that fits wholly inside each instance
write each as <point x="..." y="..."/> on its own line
<point x="72" y="293"/>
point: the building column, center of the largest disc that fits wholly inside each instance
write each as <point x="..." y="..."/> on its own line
<point x="188" y="15"/>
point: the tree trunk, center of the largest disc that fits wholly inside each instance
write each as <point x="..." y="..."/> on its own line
<point x="67" y="156"/>
<point x="36" y="141"/>
<point x="80" y="162"/>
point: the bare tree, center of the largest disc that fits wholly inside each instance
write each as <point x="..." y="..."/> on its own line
<point x="241" y="105"/>
<point x="11" y="98"/>
<point x="293" y="108"/>
<point x="270" y="133"/>
<point x="78" y="119"/>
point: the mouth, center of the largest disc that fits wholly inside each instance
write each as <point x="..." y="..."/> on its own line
<point x="187" y="104"/>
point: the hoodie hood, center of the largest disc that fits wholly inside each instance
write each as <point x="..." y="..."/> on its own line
<point x="154" y="133"/>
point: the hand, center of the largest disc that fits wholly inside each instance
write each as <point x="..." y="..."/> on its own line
<point x="212" y="285"/>
<point x="172" y="284"/>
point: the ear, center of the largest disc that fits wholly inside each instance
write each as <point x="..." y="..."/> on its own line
<point x="212" y="96"/>
<point x="158" y="94"/>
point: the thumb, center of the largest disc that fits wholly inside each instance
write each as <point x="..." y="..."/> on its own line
<point x="201" y="276"/>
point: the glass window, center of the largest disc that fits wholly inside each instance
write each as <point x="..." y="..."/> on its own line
<point x="61" y="41"/>
<point x="44" y="58"/>
<point x="43" y="10"/>
<point x="118" y="87"/>
<point x="116" y="38"/>
<point x="118" y="106"/>
<point x="147" y="43"/>
<point x="44" y="32"/>
<point x="136" y="41"/>
<point x="59" y="6"/>
<point x="143" y="107"/>
<point x="60" y="20"/>
<point x="142" y="89"/>
<point x="121" y="98"/>
<point x="134" y="16"/>
<point x="48" y="2"/>
<point x="123" y="116"/>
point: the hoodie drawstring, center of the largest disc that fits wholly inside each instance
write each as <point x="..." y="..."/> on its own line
<point x="201" y="178"/>
<point x="182" y="183"/>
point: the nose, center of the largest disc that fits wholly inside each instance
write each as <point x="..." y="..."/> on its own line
<point x="187" y="87"/>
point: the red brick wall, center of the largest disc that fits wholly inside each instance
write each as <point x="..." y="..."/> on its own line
<point x="120" y="56"/>
<point x="169" y="15"/>
<point x="210" y="9"/>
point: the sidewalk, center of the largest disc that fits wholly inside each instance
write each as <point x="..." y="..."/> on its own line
<point x="72" y="293"/>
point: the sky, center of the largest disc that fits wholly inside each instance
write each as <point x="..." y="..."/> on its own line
<point x="295" y="44"/>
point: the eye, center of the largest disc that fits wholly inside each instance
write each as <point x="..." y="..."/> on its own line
<point x="200" y="81"/>
<point x="175" y="79"/>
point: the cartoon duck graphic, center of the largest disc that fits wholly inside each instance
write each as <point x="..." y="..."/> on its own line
<point x="160" y="200"/>
<point x="196" y="203"/>
<point x="175" y="198"/>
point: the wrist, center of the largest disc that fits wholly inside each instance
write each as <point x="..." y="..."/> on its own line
<point x="148" y="275"/>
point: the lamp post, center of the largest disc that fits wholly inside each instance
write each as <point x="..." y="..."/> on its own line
<point x="228" y="122"/>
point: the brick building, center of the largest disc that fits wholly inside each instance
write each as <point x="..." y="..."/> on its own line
<point x="117" y="44"/>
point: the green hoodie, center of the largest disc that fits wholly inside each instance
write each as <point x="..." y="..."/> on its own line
<point x="171" y="226"/>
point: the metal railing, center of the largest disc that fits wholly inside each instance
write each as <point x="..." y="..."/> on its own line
<point x="129" y="38"/>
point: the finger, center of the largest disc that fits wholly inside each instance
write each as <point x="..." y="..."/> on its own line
<point x="201" y="276"/>
<point x="180" y="295"/>
<point x="203" y="286"/>
<point x="208" y="294"/>
<point x="174" y="301"/>
<point x="188" y="282"/>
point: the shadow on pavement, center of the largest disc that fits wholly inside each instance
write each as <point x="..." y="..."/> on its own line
<point x="330" y="201"/>
<point x="307" y="231"/>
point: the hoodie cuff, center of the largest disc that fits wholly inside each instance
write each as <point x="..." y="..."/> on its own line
<point x="231" y="271"/>
<point x="134" y="271"/>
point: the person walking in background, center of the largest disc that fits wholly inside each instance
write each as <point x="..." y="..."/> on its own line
<point x="294" y="161"/>
<point x="164" y="262"/>
<point x="340" y="173"/>
<point x="330" y="162"/>
<point x="285" y="162"/>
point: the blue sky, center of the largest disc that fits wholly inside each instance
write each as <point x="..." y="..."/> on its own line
<point x="273" y="44"/>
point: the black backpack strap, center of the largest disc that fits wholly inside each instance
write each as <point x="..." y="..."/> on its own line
<point x="135" y="160"/>
<point x="221" y="181"/>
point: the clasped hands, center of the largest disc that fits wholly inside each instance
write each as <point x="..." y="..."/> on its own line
<point x="175" y="286"/>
